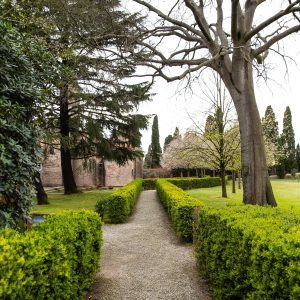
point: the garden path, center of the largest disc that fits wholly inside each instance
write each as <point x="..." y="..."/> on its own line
<point x="143" y="259"/>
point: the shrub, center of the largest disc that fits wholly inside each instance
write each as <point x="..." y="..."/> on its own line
<point x="250" y="252"/>
<point x="120" y="203"/>
<point x="56" y="260"/>
<point x="195" y="183"/>
<point x="180" y="207"/>
<point x="149" y="184"/>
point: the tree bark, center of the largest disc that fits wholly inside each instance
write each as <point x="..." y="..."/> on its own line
<point x="233" y="182"/>
<point x="256" y="183"/>
<point x="223" y="182"/>
<point x="41" y="195"/>
<point x="65" y="153"/>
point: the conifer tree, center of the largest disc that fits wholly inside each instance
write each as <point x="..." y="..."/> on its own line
<point x="170" y="138"/>
<point x="90" y="112"/>
<point x="270" y="126"/>
<point x="147" y="160"/>
<point x="155" y="145"/>
<point x="298" y="157"/>
<point x="288" y="141"/>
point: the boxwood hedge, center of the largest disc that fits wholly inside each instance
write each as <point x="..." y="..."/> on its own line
<point x="56" y="260"/>
<point x="119" y="205"/>
<point x="180" y="207"/>
<point x="250" y="252"/>
<point x="195" y="183"/>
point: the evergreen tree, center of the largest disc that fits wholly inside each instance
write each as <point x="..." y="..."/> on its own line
<point x="90" y="112"/>
<point x="288" y="141"/>
<point x="155" y="145"/>
<point x="298" y="157"/>
<point x="147" y="160"/>
<point x="168" y="140"/>
<point x="24" y="64"/>
<point x="270" y="126"/>
<point x="176" y="133"/>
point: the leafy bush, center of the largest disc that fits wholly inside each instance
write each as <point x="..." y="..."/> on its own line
<point x="149" y="184"/>
<point x="120" y="204"/>
<point x="250" y="252"/>
<point x="56" y="260"/>
<point x="180" y="207"/>
<point x="195" y="183"/>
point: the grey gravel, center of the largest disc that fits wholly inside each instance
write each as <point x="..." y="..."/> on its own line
<point x="143" y="259"/>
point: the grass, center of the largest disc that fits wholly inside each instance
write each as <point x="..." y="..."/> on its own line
<point x="286" y="191"/>
<point x="59" y="201"/>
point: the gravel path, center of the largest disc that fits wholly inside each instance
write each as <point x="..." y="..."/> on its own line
<point x="143" y="259"/>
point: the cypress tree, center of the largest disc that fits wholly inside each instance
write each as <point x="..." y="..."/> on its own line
<point x="168" y="140"/>
<point x="147" y="160"/>
<point x="270" y="126"/>
<point x="155" y="145"/>
<point x="298" y="157"/>
<point x="176" y="133"/>
<point x="288" y="141"/>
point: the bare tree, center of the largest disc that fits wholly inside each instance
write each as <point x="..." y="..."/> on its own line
<point x="231" y="46"/>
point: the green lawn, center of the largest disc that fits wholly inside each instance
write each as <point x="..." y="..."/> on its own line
<point x="287" y="194"/>
<point x="59" y="201"/>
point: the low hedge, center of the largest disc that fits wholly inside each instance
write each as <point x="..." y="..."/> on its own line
<point x="119" y="205"/>
<point x="250" y="252"/>
<point x="56" y="260"/>
<point x="149" y="184"/>
<point x="195" y="183"/>
<point x="180" y="207"/>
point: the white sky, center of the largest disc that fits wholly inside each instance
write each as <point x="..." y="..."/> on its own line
<point x="173" y="106"/>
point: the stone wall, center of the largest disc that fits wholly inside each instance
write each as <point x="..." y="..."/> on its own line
<point x="51" y="170"/>
<point x="92" y="174"/>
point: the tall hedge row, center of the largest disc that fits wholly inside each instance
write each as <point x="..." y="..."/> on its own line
<point x="250" y="252"/>
<point x="56" y="260"/>
<point x="119" y="205"/>
<point x="180" y="207"/>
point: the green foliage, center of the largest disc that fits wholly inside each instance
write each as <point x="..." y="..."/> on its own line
<point x="249" y="252"/>
<point x="155" y="145"/>
<point x="119" y="205"/>
<point x="149" y="184"/>
<point x="23" y="68"/>
<point x="195" y="183"/>
<point x="288" y="141"/>
<point x="168" y="140"/>
<point x="298" y="157"/>
<point x="180" y="207"/>
<point x="147" y="160"/>
<point x="56" y="260"/>
<point x="270" y="126"/>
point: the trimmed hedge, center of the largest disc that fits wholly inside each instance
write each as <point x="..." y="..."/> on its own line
<point x="119" y="205"/>
<point x="195" y="183"/>
<point x="250" y="252"/>
<point x="56" y="260"/>
<point x="180" y="207"/>
<point x="149" y="184"/>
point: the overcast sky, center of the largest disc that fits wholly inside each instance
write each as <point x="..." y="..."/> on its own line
<point x="174" y="106"/>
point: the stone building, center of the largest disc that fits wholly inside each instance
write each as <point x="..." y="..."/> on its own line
<point x="96" y="173"/>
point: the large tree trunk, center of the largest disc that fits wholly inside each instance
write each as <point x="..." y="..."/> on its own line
<point x="256" y="182"/>
<point x="41" y="195"/>
<point x="65" y="153"/>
